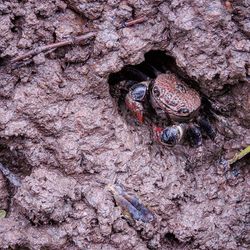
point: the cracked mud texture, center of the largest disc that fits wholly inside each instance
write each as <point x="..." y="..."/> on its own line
<point x="62" y="132"/>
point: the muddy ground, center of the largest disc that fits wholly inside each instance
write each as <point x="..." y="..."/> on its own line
<point x="65" y="136"/>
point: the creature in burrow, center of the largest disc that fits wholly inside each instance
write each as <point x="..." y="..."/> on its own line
<point x="172" y="100"/>
<point x="131" y="206"/>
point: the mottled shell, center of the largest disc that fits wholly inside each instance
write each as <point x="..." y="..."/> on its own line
<point x="172" y="97"/>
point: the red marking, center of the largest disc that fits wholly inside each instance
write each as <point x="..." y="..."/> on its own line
<point x="157" y="129"/>
<point x="139" y="116"/>
<point x="135" y="107"/>
<point x="157" y="133"/>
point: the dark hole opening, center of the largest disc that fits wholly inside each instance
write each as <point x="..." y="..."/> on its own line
<point x="171" y="238"/>
<point x="3" y="61"/>
<point x="148" y="111"/>
<point x="17" y="22"/>
<point x="156" y="62"/>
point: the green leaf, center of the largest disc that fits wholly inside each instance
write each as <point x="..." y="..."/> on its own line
<point x="2" y="213"/>
<point x="240" y="155"/>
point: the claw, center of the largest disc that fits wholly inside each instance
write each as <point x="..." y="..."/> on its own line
<point x="134" y="99"/>
<point x="135" y="107"/>
<point x="169" y="136"/>
<point x="138" y="91"/>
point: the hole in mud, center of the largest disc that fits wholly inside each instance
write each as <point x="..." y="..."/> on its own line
<point x="17" y="22"/>
<point x="170" y="237"/>
<point x="3" y="60"/>
<point x="22" y="1"/>
<point x="172" y="242"/>
<point x="157" y="58"/>
<point x="155" y="62"/>
<point x="176" y="99"/>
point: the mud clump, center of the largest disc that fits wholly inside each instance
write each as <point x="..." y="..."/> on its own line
<point x="71" y="139"/>
<point x="43" y="209"/>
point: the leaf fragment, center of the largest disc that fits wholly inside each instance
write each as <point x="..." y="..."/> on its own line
<point x="2" y="213"/>
<point x="239" y="155"/>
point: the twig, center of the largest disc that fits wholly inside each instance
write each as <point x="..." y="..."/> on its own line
<point x="29" y="61"/>
<point x="133" y="22"/>
<point x="74" y="40"/>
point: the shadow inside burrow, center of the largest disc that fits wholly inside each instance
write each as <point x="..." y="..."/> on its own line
<point x="156" y="62"/>
<point x="119" y="84"/>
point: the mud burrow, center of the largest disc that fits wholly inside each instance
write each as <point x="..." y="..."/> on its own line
<point x="70" y="138"/>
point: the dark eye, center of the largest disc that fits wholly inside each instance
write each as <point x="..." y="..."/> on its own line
<point x="183" y="111"/>
<point x="181" y="87"/>
<point x="156" y="91"/>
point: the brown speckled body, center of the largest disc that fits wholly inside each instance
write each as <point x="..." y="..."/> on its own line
<point x="172" y="98"/>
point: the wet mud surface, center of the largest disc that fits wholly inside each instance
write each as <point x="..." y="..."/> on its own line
<point x="67" y="138"/>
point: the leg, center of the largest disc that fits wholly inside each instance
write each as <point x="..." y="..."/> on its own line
<point x="134" y="99"/>
<point x="194" y="135"/>
<point x="215" y="108"/>
<point x="206" y="126"/>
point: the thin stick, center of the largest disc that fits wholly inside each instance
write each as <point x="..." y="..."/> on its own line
<point x="135" y="21"/>
<point x="130" y="23"/>
<point x="74" y="40"/>
<point x="27" y="62"/>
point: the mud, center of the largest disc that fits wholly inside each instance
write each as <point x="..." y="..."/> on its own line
<point x="66" y="137"/>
